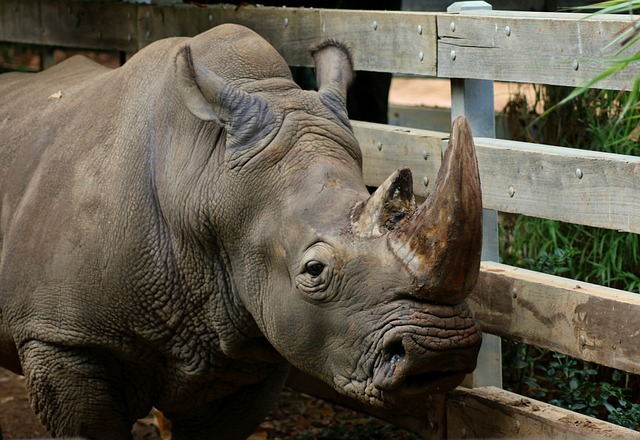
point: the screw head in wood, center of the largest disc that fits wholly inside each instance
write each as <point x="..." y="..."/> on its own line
<point x="374" y="25"/>
<point x="507" y="30"/>
<point x="453" y="55"/>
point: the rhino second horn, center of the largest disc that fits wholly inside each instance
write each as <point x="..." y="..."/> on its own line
<point x="386" y="207"/>
<point x="442" y="244"/>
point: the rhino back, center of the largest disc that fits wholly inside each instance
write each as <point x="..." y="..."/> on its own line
<point x="30" y="106"/>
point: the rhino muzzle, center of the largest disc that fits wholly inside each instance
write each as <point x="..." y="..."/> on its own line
<point x="428" y="358"/>
<point x="439" y="245"/>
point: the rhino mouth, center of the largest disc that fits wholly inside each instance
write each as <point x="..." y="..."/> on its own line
<point x="401" y="383"/>
<point x="420" y="360"/>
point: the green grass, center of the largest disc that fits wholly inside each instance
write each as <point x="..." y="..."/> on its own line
<point x="599" y="256"/>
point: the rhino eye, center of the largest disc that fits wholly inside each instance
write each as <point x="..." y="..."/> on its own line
<point x="315" y="272"/>
<point x="314" y="268"/>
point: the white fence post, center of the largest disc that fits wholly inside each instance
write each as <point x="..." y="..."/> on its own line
<point x="474" y="99"/>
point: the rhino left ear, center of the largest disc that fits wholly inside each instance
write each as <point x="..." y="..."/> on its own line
<point x="247" y="118"/>
<point x="334" y="74"/>
<point x="190" y="91"/>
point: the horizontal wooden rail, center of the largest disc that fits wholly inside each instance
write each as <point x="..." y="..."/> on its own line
<point x="387" y="148"/>
<point x="479" y="413"/>
<point x="546" y="48"/>
<point x="484" y="413"/>
<point x="411" y="37"/>
<point x="571" y="185"/>
<point x="563" y="49"/>
<point x="567" y="184"/>
<point x="583" y="320"/>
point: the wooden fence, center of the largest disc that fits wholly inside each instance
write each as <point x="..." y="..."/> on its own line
<point x="473" y="47"/>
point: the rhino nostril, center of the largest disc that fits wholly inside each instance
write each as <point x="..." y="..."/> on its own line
<point x="394" y="351"/>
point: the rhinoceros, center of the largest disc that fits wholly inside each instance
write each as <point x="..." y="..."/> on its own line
<point x="175" y="233"/>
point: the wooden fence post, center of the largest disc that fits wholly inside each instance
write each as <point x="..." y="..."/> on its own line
<point x="474" y="99"/>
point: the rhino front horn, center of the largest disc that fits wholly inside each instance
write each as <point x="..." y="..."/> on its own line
<point x="441" y="245"/>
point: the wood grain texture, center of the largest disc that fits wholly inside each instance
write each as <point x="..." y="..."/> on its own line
<point x="561" y="49"/>
<point x="484" y="413"/>
<point x="20" y="22"/>
<point x="539" y="48"/>
<point x="571" y="185"/>
<point x="387" y="41"/>
<point x="109" y="26"/>
<point x="586" y="321"/>
<point x="387" y="148"/>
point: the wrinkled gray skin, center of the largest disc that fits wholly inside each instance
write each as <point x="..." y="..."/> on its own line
<point x="175" y="232"/>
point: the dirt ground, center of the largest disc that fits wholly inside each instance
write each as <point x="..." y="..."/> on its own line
<point x="297" y="417"/>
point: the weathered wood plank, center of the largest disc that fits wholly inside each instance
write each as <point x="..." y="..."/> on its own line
<point x="540" y="48"/>
<point x="583" y="320"/>
<point x="88" y="25"/>
<point x="490" y="412"/>
<point x="108" y="26"/>
<point x="373" y="35"/>
<point x="562" y="49"/>
<point x="20" y="21"/>
<point x="387" y="148"/>
<point x="571" y="185"/>
<point x="403" y="42"/>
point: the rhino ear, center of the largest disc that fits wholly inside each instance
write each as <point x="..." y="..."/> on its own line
<point x="334" y="73"/>
<point x="249" y="119"/>
<point x="190" y="91"/>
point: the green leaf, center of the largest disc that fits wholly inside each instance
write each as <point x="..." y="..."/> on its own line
<point x="574" y="384"/>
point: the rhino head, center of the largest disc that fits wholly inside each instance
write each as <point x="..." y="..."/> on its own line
<point x="365" y="292"/>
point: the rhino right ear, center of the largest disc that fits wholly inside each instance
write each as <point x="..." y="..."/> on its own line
<point x="334" y="74"/>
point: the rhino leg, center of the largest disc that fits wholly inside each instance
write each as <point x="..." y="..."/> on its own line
<point x="235" y="417"/>
<point x="76" y="396"/>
